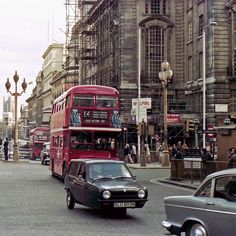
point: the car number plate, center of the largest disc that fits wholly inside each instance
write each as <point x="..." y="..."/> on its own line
<point x="124" y="204"/>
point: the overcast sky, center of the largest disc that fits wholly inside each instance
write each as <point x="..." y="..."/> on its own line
<point x="27" y="27"/>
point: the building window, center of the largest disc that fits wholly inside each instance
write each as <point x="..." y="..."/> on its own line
<point x="201" y="24"/>
<point x="155" y="7"/>
<point x="190" y="68"/>
<point x="154" y="51"/>
<point x="146" y="7"/>
<point x="190" y="31"/>
<point x="200" y="65"/>
<point x="164" y="6"/>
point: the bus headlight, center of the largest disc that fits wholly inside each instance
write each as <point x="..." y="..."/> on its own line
<point x="106" y="194"/>
<point x="141" y="193"/>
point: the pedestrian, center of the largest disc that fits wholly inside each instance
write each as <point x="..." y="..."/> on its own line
<point x="134" y="153"/>
<point x="206" y="158"/>
<point x="147" y="154"/>
<point x="231" y="152"/>
<point x="127" y="154"/>
<point x="5" y="148"/>
<point x="160" y="152"/>
<point x="173" y="151"/>
<point x="179" y="151"/>
<point x="232" y="158"/>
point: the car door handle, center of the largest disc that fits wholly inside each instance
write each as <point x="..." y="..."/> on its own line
<point x="210" y="203"/>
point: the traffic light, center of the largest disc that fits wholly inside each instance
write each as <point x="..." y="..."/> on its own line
<point x="189" y="125"/>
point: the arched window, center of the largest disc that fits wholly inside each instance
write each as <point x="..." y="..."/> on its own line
<point x="154" y="52"/>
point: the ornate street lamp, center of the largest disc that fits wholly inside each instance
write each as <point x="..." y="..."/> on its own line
<point x="15" y="95"/>
<point x="165" y="77"/>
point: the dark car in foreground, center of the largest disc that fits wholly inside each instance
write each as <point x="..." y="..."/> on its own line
<point x="210" y="211"/>
<point x="103" y="184"/>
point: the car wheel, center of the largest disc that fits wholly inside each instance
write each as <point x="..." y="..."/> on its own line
<point x="196" y="230"/>
<point x="70" y="201"/>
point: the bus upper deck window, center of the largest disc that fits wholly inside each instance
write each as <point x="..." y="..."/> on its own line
<point x="83" y="101"/>
<point x="107" y="101"/>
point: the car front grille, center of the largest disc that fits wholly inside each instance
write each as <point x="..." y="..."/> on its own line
<point x="124" y="194"/>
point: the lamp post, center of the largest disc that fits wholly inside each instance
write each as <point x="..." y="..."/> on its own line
<point x="165" y="77"/>
<point x="139" y="89"/>
<point x="15" y="95"/>
<point x="204" y="82"/>
<point x="196" y="123"/>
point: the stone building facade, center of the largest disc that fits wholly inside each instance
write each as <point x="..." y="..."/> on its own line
<point x="108" y="54"/>
<point x="172" y="31"/>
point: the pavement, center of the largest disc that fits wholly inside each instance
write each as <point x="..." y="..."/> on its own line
<point x="21" y="160"/>
<point x="185" y="183"/>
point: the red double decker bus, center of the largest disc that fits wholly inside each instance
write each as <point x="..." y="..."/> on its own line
<point x="38" y="136"/>
<point x="85" y="123"/>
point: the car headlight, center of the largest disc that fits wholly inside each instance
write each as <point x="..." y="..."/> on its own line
<point x="141" y="193"/>
<point x="106" y="194"/>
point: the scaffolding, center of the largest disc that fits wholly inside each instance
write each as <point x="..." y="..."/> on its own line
<point x="92" y="42"/>
<point x="103" y="19"/>
<point x="72" y="42"/>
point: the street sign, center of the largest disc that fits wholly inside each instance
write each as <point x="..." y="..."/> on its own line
<point x="210" y="132"/>
<point x="173" y="118"/>
<point x="145" y="103"/>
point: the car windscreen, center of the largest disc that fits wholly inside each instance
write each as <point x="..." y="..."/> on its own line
<point x="110" y="170"/>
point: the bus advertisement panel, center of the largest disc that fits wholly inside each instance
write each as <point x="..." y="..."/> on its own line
<point x="85" y="123"/>
<point x="38" y="136"/>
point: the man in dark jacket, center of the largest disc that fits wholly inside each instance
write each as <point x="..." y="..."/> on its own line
<point x="5" y="148"/>
<point x="232" y="158"/>
<point x="206" y="164"/>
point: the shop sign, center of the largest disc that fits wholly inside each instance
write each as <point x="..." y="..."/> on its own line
<point x="173" y="118"/>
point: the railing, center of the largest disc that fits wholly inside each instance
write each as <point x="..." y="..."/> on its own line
<point x="194" y="168"/>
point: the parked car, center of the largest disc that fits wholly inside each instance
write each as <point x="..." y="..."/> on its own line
<point x="103" y="184"/>
<point x="210" y="211"/>
<point x="44" y="155"/>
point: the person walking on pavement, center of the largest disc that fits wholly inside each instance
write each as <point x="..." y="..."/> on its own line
<point x="127" y="153"/>
<point x="5" y="148"/>
<point x="206" y="157"/>
<point x="134" y="153"/>
<point x="147" y="154"/>
<point x="232" y="158"/>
